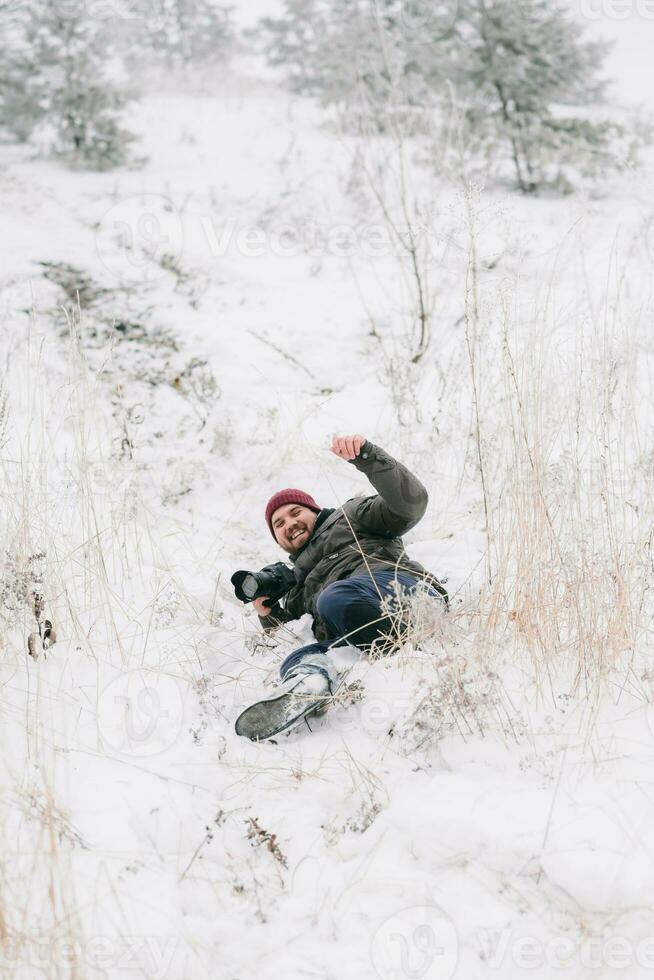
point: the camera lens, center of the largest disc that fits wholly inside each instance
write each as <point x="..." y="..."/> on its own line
<point x="250" y="587"/>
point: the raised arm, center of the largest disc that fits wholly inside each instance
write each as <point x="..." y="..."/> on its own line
<point x="402" y="499"/>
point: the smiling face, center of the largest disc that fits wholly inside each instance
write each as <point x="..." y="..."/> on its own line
<point x="292" y="525"/>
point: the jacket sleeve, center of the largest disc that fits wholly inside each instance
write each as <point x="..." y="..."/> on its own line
<point x="402" y="499"/>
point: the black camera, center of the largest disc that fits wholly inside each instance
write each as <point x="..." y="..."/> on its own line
<point x="272" y="581"/>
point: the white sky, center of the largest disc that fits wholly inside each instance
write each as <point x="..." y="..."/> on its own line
<point x="630" y="24"/>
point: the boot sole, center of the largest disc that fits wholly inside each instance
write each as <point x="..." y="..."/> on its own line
<point x="268" y="718"/>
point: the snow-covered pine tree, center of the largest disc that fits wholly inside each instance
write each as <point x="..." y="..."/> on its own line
<point x="368" y="54"/>
<point x="520" y="74"/>
<point x="22" y="105"/>
<point x="180" y="33"/>
<point x="59" y="73"/>
<point x="524" y="72"/>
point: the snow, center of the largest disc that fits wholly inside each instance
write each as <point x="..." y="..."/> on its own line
<point x="140" y="836"/>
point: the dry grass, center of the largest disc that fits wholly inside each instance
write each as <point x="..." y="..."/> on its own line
<point x="558" y="451"/>
<point x="70" y="551"/>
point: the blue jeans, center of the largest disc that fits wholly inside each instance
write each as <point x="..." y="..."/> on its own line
<point x="351" y="612"/>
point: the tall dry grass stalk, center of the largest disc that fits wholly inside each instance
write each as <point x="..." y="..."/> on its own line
<point x="76" y="514"/>
<point x="563" y="469"/>
<point x="569" y="484"/>
<point x="72" y="548"/>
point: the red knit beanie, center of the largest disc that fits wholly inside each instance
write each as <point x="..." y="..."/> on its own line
<point x="288" y="496"/>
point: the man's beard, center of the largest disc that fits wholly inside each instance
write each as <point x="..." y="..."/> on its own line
<point x="300" y="539"/>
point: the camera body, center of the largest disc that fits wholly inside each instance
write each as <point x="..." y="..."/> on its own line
<point x="273" y="581"/>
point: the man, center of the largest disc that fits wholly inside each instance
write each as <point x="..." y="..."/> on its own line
<point x="346" y="561"/>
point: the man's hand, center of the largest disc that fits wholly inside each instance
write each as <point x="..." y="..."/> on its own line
<point x="261" y="608"/>
<point x="347" y="447"/>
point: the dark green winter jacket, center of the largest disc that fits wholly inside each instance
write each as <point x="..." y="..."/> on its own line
<point x="361" y="536"/>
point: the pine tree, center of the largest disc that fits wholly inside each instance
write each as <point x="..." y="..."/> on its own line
<point x="58" y="75"/>
<point x="22" y="105"/>
<point x="526" y="67"/>
<point x="347" y="52"/>
<point x="525" y="81"/>
<point x="180" y="33"/>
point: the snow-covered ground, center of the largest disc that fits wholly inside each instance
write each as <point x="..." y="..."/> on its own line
<point x="178" y="342"/>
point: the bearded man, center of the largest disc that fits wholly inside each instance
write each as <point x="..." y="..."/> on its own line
<point x="346" y="562"/>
